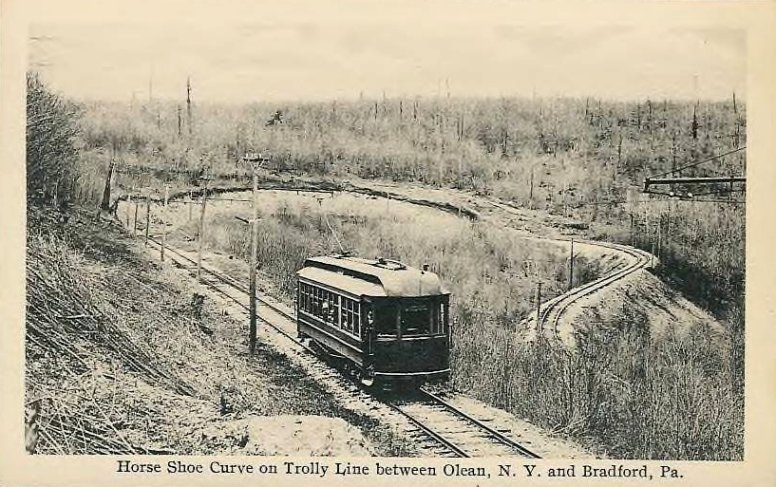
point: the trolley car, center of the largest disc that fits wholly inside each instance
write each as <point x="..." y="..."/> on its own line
<point x="387" y="321"/>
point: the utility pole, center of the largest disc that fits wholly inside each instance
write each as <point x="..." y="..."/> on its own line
<point x="164" y="220"/>
<point x="105" y="204"/>
<point x="571" y="266"/>
<point x="659" y="232"/>
<point x="191" y="204"/>
<point x="188" y="102"/>
<point x="179" y="120"/>
<point x="148" y="218"/>
<point x="538" y="305"/>
<point x="201" y="236"/>
<point x="254" y="258"/>
<point x="129" y="205"/>
<point x="134" y="226"/>
<point x="254" y="160"/>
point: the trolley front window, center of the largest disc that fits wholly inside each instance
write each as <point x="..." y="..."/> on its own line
<point x="386" y="321"/>
<point x="416" y="319"/>
<point x="410" y="317"/>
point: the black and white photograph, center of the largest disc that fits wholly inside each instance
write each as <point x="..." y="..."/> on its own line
<point x="387" y="234"/>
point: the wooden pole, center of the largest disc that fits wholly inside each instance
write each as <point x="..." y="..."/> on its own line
<point x="659" y="233"/>
<point x="164" y="220"/>
<point x="105" y="204"/>
<point x="129" y="205"/>
<point x="188" y="103"/>
<point x="134" y="226"/>
<point x="254" y="251"/>
<point x="201" y="237"/>
<point x="148" y="218"/>
<point x="538" y="305"/>
<point x="571" y="266"/>
<point x="191" y="204"/>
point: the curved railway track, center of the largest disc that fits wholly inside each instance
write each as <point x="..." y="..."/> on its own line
<point x="449" y="430"/>
<point x="551" y="312"/>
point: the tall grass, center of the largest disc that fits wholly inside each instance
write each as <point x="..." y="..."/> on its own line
<point x="622" y="391"/>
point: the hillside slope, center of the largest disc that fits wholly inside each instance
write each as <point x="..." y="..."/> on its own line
<point x="120" y="360"/>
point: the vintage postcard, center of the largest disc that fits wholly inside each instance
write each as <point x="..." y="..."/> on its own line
<point x="387" y="243"/>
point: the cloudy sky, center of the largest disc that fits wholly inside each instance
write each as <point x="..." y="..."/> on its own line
<point x="408" y="51"/>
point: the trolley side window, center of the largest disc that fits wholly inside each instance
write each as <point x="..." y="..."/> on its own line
<point x="350" y="318"/>
<point x="304" y="297"/>
<point x="336" y="310"/>
<point x="330" y="307"/>
<point x="311" y="299"/>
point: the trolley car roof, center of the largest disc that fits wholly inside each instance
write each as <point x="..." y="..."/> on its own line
<point x="366" y="277"/>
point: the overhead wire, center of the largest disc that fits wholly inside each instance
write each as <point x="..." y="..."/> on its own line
<point x="698" y="162"/>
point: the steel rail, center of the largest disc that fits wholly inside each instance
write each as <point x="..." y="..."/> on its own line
<point x="566" y="300"/>
<point x="433" y="434"/>
<point x="494" y="433"/>
<point x="228" y="281"/>
<point x="560" y="304"/>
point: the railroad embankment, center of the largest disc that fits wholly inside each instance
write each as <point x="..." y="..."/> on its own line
<point x="123" y="358"/>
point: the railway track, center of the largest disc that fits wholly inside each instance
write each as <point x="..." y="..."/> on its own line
<point x="448" y="430"/>
<point x="459" y="432"/>
<point x="552" y="311"/>
<point x="551" y="314"/>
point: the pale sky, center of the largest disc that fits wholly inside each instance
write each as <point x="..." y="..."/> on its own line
<point x="408" y="53"/>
